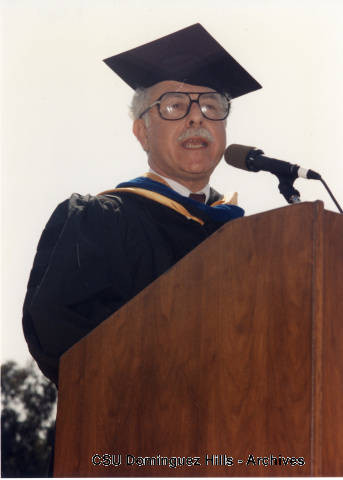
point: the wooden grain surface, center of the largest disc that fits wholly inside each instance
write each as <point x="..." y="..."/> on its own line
<point x="332" y="416"/>
<point x="217" y="357"/>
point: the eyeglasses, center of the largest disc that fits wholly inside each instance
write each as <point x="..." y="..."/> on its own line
<point x="176" y="105"/>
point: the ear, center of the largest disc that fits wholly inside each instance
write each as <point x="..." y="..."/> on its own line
<point x="140" y="130"/>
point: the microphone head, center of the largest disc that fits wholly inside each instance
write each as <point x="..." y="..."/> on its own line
<point x="236" y="155"/>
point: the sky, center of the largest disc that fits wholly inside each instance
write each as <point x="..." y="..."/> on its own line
<point x="65" y="126"/>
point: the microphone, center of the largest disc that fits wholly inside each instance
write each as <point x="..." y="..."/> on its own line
<point x="253" y="160"/>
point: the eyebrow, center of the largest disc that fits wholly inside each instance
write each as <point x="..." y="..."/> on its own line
<point x="191" y="93"/>
<point x="211" y="94"/>
<point x="177" y="94"/>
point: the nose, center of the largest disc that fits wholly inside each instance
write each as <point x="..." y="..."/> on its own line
<point x="195" y="116"/>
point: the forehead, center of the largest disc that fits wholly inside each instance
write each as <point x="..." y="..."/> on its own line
<point x="173" y="86"/>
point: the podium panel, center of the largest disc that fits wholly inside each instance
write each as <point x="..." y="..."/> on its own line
<point x="229" y="364"/>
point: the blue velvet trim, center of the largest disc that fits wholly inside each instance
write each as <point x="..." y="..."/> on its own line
<point x="218" y="213"/>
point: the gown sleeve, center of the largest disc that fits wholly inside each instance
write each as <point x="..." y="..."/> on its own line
<point x="80" y="276"/>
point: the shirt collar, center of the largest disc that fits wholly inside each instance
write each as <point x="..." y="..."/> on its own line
<point x="181" y="189"/>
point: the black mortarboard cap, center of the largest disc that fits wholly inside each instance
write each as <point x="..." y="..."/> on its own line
<point x="190" y="55"/>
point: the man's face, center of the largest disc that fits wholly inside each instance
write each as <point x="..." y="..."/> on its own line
<point x="186" y="161"/>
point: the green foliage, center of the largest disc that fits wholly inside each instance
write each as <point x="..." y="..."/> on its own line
<point x="27" y="420"/>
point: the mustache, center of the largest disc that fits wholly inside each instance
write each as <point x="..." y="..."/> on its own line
<point x="196" y="132"/>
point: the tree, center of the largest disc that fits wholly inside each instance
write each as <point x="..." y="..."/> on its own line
<point x="27" y="420"/>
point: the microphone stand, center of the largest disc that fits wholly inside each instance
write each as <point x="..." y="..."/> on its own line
<point x="287" y="190"/>
<point x="293" y="196"/>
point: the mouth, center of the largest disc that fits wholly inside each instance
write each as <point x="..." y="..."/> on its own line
<point x="194" y="143"/>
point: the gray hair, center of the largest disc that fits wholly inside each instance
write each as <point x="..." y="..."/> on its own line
<point x="141" y="101"/>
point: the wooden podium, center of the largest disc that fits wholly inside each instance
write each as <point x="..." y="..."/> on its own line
<point x="229" y="364"/>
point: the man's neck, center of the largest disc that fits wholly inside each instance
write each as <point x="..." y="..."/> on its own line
<point x="183" y="188"/>
<point x="193" y="185"/>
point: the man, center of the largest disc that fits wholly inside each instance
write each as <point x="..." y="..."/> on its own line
<point x="96" y="253"/>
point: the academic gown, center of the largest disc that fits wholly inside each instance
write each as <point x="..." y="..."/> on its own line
<point x="95" y="254"/>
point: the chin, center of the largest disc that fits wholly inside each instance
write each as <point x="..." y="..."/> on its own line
<point x="200" y="166"/>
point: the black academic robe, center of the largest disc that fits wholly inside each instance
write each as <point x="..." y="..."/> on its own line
<point x="95" y="254"/>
